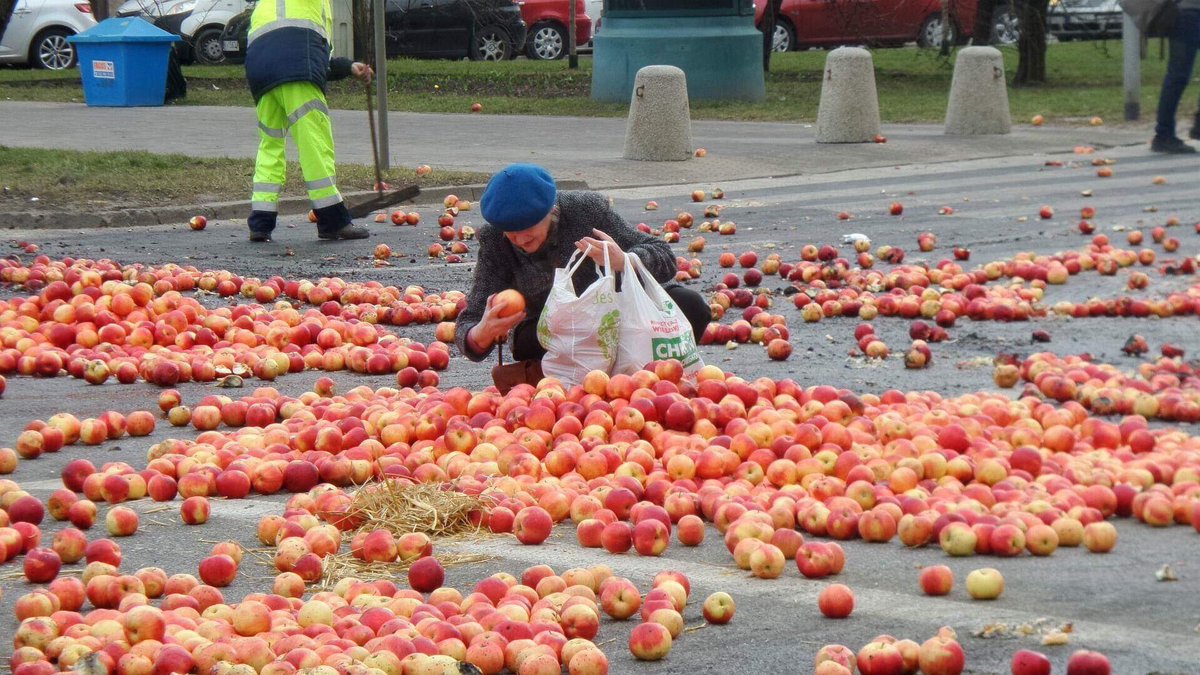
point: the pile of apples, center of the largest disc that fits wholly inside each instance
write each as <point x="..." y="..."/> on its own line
<point x="631" y="459"/>
<point x="946" y="292"/>
<point x="829" y="286"/>
<point x="537" y="624"/>
<point x="1167" y="389"/>
<point x="97" y="321"/>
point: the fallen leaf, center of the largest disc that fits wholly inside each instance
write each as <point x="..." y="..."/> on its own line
<point x="1165" y="573"/>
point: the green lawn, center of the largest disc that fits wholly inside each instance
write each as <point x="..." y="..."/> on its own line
<point x="1084" y="80"/>
<point x="107" y="180"/>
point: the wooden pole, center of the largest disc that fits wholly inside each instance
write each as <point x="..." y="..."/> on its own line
<point x="381" y="86"/>
<point x="1131" y="43"/>
<point x="572" y="56"/>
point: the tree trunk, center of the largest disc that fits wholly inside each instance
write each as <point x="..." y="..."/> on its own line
<point x="364" y="31"/>
<point x="769" y="16"/>
<point x="6" y="9"/>
<point x="1031" y="48"/>
<point x="981" y="34"/>
<point x="948" y="19"/>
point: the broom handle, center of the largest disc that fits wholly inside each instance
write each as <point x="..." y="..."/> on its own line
<point x="374" y="142"/>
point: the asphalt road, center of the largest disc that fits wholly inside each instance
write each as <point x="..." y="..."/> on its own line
<point x="1113" y="601"/>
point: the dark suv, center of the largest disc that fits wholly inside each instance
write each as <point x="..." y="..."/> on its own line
<point x="481" y="30"/>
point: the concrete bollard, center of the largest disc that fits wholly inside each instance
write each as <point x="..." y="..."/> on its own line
<point x="849" y="108"/>
<point x="978" y="94"/>
<point x="659" y="128"/>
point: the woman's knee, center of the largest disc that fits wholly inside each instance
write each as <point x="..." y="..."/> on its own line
<point x="693" y="305"/>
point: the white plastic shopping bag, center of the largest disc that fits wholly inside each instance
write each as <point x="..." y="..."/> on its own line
<point x="579" y="332"/>
<point x="653" y="328"/>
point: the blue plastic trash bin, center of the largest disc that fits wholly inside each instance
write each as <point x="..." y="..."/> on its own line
<point x="123" y="62"/>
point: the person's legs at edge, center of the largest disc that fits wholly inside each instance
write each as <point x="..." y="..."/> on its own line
<point x="1185" y="39"/>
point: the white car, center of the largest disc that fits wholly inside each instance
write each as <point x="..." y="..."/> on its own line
<point x="153" y="8"/>
<point x="203" y="27"/>
<point x="38" y="30"/>
<point x="595" y="8"/>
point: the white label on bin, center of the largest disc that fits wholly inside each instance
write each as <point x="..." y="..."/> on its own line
<point x="104" y="70"/>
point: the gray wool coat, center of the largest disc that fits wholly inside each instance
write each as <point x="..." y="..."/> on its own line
<point x="500" y="265"/>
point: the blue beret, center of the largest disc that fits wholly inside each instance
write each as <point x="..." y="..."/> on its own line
<point x="518" y="197"/>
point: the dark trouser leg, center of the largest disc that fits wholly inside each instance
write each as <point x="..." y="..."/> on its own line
<point x="693" y="305"/>
<point x="332" y="218"/>
<point x="1185" y="39"/>
<point x="262" y="222"/>
<point x="525" y="343"/>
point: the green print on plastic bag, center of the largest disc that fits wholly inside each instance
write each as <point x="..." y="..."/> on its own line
<point x="608" y="334"/>
<point x="680" y="347"/>
<point x="543" y="330"/>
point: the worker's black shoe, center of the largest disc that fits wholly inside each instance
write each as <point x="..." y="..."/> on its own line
<point x="350" y="231"/>
<point x="1171" y="146"/>
<point x="261" y="224"/>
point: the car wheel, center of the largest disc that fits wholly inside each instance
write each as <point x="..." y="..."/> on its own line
<point x="784" y="39"/>
<point x="51" y="51"/>
<point x="491" y="44"/>
<point x="207" y="46"/>
<point x="932" y="32"/>
<point x="546" y="42"/>
<point x="1006" y="26"/>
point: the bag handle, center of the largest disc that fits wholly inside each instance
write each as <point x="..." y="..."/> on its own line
<point x="577" y="258"/>
<point x="574" y="262"/>
<point x="606" y="267"/>
<point x="633" y="262"/>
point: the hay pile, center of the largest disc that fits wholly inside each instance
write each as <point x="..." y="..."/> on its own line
<point x="437" y="510"/>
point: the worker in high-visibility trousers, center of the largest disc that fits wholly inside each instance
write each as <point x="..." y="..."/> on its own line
<point x="288" y="61"/>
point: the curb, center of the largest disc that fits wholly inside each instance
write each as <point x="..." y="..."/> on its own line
<point x="169" y="215"/>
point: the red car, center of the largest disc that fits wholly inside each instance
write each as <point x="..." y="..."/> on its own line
<point x="828" y="23"/>
<point x="547" y="21"/>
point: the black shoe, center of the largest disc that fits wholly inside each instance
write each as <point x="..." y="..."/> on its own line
<point x="1171" y="146"/>
<point x="259" y="237"/>
<point x="350" y="231"/>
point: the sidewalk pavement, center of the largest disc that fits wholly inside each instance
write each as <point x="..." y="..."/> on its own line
<point x="572" y="148"/>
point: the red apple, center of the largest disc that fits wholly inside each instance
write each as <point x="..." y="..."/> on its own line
<point x="1084" y="662"/>
<point x="42" y="565"/>
<point x="532" y="525"/>
<point x="426" y="575"/>
<point x="1026" y="662"/>
<point x="195" y="510"/>
<point x="650" y="642"/>
<point x="836" y="601"/>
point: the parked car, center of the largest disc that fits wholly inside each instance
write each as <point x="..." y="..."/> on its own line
<point x="547" y="21"/>
<point x="481" y="30"/>
<point x="203" y="27"/>
<point x="1084" y="19"/>
<point x="37" y="32"/>
<point x="233" y="37"/>
<point x="595" y="12"/>
<point x="153" y="8"/>
<point x="168" y="15"/>
<point x="1006" y="25"/>
<point x="829" y="23"/>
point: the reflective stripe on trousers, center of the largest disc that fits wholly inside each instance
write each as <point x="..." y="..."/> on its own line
<point x="297" y="109"/>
